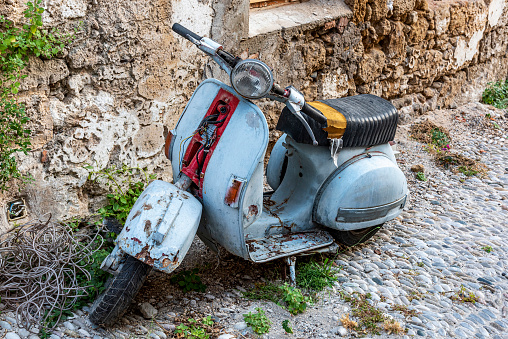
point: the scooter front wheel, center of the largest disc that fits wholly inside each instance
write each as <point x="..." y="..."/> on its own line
<point x="120" y="291"/>
<point x="356" y="237"/>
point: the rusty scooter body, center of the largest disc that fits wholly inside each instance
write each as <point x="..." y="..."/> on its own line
<point x="333" y="173"/>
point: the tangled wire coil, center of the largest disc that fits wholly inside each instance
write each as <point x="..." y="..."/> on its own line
<point x="41" y="265"/>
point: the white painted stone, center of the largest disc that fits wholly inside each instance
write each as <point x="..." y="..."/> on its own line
<point x="465" y="51"/>
<point x="496" y="8"/>
<point x="195" y="15"/>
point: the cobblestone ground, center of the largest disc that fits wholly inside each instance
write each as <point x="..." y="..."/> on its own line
<point x="451" y="237"/>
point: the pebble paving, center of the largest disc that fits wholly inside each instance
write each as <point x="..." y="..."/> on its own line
<point x="452" y="236"/>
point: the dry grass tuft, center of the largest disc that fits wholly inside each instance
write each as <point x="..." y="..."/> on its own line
<point x="348" y="323"/>
<point x="392" y="326"/>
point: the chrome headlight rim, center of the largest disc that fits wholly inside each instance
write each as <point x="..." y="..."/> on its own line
<point x="258" y="63"/>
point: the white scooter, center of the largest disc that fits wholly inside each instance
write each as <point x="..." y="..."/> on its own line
<point x="333" y="172"/>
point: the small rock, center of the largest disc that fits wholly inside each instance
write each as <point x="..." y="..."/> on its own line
<point x="209" y="297"/>
<point x="84" y="333"/>
<point x="23" y="332"/>
<point x="240" y="326"/>
<point x="417" y="168"/>
<point x="226" y="336"/>
<point x="69" y="326"/>
<point x="147" y="310"/>
<point x="341" y="331"/>
<point x="168" y="327"/>
<point x="5" y="325"/>
<point x="12" y="335"/>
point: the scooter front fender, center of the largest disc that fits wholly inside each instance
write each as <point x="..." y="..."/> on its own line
<point x="161" y="226"/>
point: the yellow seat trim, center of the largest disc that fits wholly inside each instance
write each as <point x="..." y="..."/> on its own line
<point x="336" y="121"/>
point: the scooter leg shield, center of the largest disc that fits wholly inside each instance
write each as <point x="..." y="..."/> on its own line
<point x="275" y="169"/>
<point x="161" y="226"/>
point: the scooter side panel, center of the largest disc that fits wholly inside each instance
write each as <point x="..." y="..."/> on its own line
<point x="161" y="226"/>
<point x="364" y="191"/>
<point x="237" y="156"/>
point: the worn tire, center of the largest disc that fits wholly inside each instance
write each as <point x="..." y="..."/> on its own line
<point x="352" y="238"/>
<point x="120" y="291"/>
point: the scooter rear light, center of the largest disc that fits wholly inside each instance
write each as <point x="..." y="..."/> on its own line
<point x="167" y="146"/>
<point x="233" y="192"/>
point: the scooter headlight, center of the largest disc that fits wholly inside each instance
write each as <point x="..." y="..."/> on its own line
<point x="252" y="79"/>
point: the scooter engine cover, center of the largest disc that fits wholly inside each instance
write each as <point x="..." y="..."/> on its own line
<point x="161" y="226"/>
<point x="366" y="190"/>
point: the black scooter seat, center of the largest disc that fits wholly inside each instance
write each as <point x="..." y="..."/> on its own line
<point x="371" y="120"/>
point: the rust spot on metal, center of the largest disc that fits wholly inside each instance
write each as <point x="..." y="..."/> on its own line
<point x="166" y="262"/>
<point x="147" y="207"/>
<point x="144" y="256"/>
<point x="148" y="227"/>
<point x="253" y="211"/>
<point x="136" y="240"/>
<point x="136" y="215"/>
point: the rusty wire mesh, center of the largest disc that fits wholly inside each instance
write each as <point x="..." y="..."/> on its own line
<point x="41" y="265"/>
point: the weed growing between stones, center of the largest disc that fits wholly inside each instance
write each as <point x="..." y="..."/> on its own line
<point x="368" y="315"/>
<point x="438" y="142"/>
<point x="420" y="176"/>
<point x="287" y="326"/>
<point x="284" y="295"/>
<point x="188" y="281"/>
<point x="197" y="329"/>
<point x="314" y="276"/>
<point x="496" y="94"/>
<point x="296" y="302"/>
<point x="258" y="321"/>
<point x="487" y="249"/>
<point x="465" y="296"/>
<point x="265" y="291"/>
<point x="405" y="310"/>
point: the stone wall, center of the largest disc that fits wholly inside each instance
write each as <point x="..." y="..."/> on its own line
<point x="117" y="90"/>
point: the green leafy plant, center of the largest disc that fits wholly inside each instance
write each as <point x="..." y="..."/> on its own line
<point x="17" y="44"/>
<point x="465" y="296"/>
<point x="189" y="281"/>
<point x="258" y="321"/>
<point x="287" y="326"/>
<point x="421" y="176"/>
<point x="315" y="276"/>
<point x="195" y="329"/>
<point x="467" y="171"/>
<point x="126" y="185"/>
<point x="487" y="249"/>
<point x="440" y="139"/>
<point x="496" y="94"/>
<point x="295" y="300"/>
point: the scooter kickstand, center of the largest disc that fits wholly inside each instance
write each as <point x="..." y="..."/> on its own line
<point x="291" y="262"/>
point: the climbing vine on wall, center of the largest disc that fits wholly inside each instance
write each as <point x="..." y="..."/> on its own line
<point x="17" y="44"/>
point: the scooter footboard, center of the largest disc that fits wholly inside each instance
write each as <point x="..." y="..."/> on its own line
<point x="161" y="226"/>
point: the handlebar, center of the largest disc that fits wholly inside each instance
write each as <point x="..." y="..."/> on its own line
<point x="314" y="113"/>
<point x="186" y="33"/>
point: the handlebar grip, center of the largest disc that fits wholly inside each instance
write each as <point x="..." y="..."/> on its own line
<point x="314" y="113"/>
<point x="186" y="33"/>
